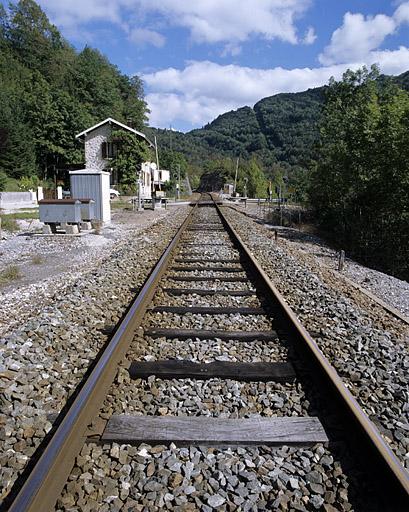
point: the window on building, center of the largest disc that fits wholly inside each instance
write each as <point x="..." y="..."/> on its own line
<point x="109" y="149"/>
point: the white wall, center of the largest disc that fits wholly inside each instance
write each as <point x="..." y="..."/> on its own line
<point x="93" y="143"/>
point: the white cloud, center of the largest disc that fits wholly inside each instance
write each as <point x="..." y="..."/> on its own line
<point x="213" y="21"/>
<point x="360" y="35"/>
<point x="401" y="14"/>
<point x="232" y="49"/>
<point x="144" y="35"/>
<point x="208" y="21"/>
<point x="310" y="36"/>
<point x="198" y="93"/>
<point x="69" y="13"/>
<point x="357" y="37"/>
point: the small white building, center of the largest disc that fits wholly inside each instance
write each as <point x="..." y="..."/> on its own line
<point x="228" y="189"/>
<point x="152" y="180"/>
<point x="100" y="149"/>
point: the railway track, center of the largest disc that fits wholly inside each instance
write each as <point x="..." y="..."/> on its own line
<point x="202" y="350"/>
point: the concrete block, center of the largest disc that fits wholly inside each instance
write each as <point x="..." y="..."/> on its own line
<point x="85" y="226"/>
<point x="47" y="229"/>
<point x="71" y="229"/>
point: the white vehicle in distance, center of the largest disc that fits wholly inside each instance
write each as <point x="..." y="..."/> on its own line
<point x="113" y="193"/>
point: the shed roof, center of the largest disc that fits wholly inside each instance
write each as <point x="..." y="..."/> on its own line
<point x="88" y="170"/>
<point x="110" y="120"/>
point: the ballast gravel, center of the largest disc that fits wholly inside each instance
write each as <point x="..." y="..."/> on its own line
<point x="145" y="477"/>
<point x="367" y="347"/>
<point x="43" y="359"/>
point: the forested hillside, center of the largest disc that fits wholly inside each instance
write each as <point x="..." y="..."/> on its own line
<point x="49" y="92"/>
<point x="279" y="130"/>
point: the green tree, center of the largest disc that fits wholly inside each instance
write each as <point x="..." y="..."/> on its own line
<point x="32" y="36"/>
<point x="132" y="151"/>
<point x="173" y="161"/>
<point x="3" y="180"/>
<point x="360" y="185"/>
<point x="252" y="174"/>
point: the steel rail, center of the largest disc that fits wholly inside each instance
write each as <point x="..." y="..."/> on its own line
<point x="396" y="470"/>
<point x="387" y="307"/>
<point x="46" y="480"/>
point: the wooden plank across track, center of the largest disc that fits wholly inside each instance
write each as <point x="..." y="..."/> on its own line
<point x="214" y="431"/>
<point x="200" y="230"/>
<point x="176" y="369"/>
<point x="229" y="279"/>
<point x="209" y="310"/>
<point x="207" y="269"/>
<point x="202" y="291"/>
<point x="202" y="260"/>
<point x="183" y="334"/>
<point x="201" y="244"/>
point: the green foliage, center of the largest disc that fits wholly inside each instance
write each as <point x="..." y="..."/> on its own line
<point x="49" y="92"/>
<point x="3" y="181"/>
<point x="360" y="187"/>
<point x="174" y="162"/>
<point x="279" y="130"/>
<point x="9" y="223"/>
<point x="27" y="183"/>
<point x="132" y="151"/>
<point x="10" y="273"/>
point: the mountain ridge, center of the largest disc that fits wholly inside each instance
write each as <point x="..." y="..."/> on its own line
<point x="279" y="129"/>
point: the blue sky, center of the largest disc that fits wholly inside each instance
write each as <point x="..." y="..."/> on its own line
<point x="200" y="58"/>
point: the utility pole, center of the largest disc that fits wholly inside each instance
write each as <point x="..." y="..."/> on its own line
<point x="235" y="176"/>
<point x="156" y="151"/>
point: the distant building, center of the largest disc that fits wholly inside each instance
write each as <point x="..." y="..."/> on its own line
<point x="100" y="150"/>
<point x="228" y="189"/>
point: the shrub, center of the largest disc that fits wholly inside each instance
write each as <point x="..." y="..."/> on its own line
<point x="9" y="223"/>
<point x="37" y="259"/>
<point x="11" y="273"/>
<point x="3" y="181"/>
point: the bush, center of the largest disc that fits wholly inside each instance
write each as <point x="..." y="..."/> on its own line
<point x="3" y="181"/>
<point x="9" y="223"/>
<point x="27" y="183"/>
<point x="11" y="273"/>
<point x="37" y="259"/>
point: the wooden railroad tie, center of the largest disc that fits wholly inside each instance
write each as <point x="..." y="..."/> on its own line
<point x="200" y="244"/>
<point x="227" y="279"/>
<point x="207" y="269"/>
<point x="200" y="230"/>
<point x="176" y="369"/>
<point x="209" y="310"/>
<point x="214" y="431"/>
<point x="202" y="260"/>
<point x="202" y="291"/>
<point x="211" y="335"/>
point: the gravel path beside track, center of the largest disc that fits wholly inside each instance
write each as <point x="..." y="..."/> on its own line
<point x="368" y="347"/>
<point x="43" y="359"/>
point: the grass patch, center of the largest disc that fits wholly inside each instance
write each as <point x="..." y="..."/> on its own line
<point x="36" y="259"/>
<point x="116" y="205"/>
<point x="9" y="220"/>
<point x="31" y="213"/>
<point x="9" y="223"/>
<point x="9" y="274"/>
